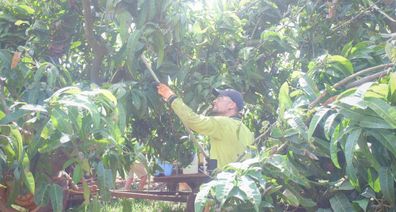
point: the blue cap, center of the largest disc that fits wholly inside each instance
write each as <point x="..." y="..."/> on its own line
<point x="234" y="95"/>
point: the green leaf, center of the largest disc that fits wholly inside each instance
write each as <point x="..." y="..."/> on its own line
<point x="329" y="124"/>
<point x="387" y="182"/>
<point x="383" y="109"/>
<point x="125" y="19"/>
<point x="354" y="101"/>
<point x="41" y="194"/>
<point x="159" y="46"/>
<point x="335" y="138"/>
<point x="196" y="28"/>
<point x="362" y="89"/>
<point x="136" y="102"/>
<point x="201" y="197"/>
<point x="341" y="203"/>
<point x="13" y="116"/>
<point x="132" y="48"/>
<point x="343" y="185"/>
<point x="296" y="123"/>
<point x="315" y="121"/>
<point x="87" y="192"/>
<point x="20" y="22"/>
<point x="349" y="150"/>
<point x="308" y="86"/>
<point x="77" y="174"/>
<point x="374" y="183"/>
<point x="108" y="97"/>
<point x="324" y="210"/>
<point x="385" y="138"/>
<point x="68" y="163"/>
<point x="223" y="186"/>
<point x="27" y="10"/>
<point x="18" y="143"/>
<point x="363" y="203"/>
<point x="83" y="102"/>
<point x="75" y="44"/>
<point x="60" y="122"/>
<point x="392" y="82"/>
<point x="237" y="193"/>
<point x="28" y="178"/>
<point x="379" y="91"/>
<point x="344" y="62"/>
<point x="290" y="197"/>
<point x="285" y="169"/>
<point x="248" y="185"/>
<point x="66" y="90"/>
<point x="368" y="193"/>
<point x="284" y="99"/>
<point x="56" y="197"/>
<point x="392" y="88"/>
<point x="34" y="108"/>
<point x="334" y="145"/>
<point x="105" y="178"/>
<point x="390" y="50"/>
<point x="122" y="121"/>
<point x="374" y="122"/>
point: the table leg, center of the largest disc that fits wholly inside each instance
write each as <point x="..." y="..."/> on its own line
<point x="190" y="202"/>
<point x="172" y="187"/>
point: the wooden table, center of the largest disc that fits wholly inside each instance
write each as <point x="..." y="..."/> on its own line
<point x="193" y="180"/>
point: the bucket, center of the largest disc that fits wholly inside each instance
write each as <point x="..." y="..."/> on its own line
<point x="193" y="167"/>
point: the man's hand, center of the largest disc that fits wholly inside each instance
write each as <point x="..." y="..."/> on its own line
<point x="164" y="91"/>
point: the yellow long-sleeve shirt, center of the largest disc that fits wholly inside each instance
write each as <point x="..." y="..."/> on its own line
<point x="228" y="137"/>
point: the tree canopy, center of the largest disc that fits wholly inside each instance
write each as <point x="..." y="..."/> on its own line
<point x="317" y="76"/>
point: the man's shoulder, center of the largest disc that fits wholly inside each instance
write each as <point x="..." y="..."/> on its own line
<point x="228" y="120"/>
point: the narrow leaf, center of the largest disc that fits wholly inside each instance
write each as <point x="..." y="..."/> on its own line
<point x="29" y="181"/>
<point x="383" y="109"/>
<point x="248" y="185"/>
<point x="329" y="125"/>
<point x="87" y="192"/>
<point x="290" y="197"/>
<point x="387" y="183"/>
<point x="201" y="197"/>
<point x="341" y="203"/>
<point x="77" y="174"/>
<point x="315" y="121"/>
<point x="224" y="186"/>
<point x="41" y="194"/>
<point x="132" y="47"/>
<point x="56" y="197"/>
<point x="349" y="150"/>
<point x="284" y="99"/>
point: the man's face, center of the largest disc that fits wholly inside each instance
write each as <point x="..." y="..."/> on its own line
<point x="222" y="105"/>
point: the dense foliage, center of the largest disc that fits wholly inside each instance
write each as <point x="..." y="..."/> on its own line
<point x="318" y="77"/>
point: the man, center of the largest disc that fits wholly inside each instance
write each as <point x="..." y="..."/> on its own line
<point x="228" y="136"/>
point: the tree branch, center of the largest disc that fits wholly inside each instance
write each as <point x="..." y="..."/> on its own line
<point x="382" y="12"/>
<point x="97" y="45"/>
<point x="352" y="19"/>
<point x="347" y="79"/>
<point x="367" y="79"/>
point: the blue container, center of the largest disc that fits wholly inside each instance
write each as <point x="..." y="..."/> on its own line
<point x="166" y="166"/>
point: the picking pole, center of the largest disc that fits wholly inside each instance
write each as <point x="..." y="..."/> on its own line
<point x="148" y="66"/>
<point x="191" y="135"/>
